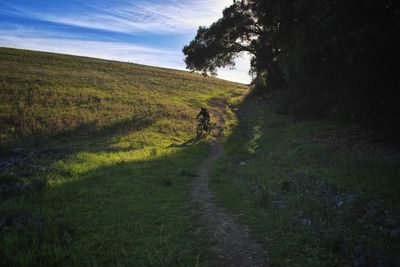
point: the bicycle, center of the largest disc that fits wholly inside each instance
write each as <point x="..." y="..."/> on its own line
<point x="203" y="126"/>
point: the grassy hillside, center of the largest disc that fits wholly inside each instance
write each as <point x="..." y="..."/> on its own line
<point x="43" y="94"/>
<point x="96" y="161"/>
<point x="97" y="157"/>
<point x="315" y="193"/>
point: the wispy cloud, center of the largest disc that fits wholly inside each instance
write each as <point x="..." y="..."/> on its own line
<point x="130" y="30"/>
<point x="118" y="51"/>
<point x="99" y="49"/>
<point x="166" y="17"/>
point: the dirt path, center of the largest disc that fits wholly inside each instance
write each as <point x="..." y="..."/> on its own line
<point x="231" y="242"/>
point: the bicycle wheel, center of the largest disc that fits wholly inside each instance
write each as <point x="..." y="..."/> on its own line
<point x="199" y="129"/>
<point x="208" y="128"/>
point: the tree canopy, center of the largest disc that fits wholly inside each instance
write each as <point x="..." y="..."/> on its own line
<point x="323" y="57"/>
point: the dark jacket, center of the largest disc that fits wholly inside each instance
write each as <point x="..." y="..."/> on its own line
<point x="204" y="113"/>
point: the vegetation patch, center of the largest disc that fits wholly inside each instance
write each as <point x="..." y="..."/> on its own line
<point x="113" y="145"/>
<point x="312" y="201"/>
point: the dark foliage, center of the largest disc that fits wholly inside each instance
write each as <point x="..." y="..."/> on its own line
<point x="332" y="57"/>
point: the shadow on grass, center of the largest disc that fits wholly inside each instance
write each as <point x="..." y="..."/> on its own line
<point x="128" y="213"/>
<point x="24" y="169"/>
<point x="81" y="133"/>
<point x="266" y="156"/>
<point x="189" y="142"/>
<point x="87" y="137"/>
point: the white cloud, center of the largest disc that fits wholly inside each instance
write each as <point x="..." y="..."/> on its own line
<point x="168" y="17"/>
<point x="241" y="71"/>
<point x="118" y="51"/>
<point x="165" y="17"/>
<point x="105" y="50"/>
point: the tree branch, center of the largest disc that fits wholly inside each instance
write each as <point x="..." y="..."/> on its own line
<point x="240" y="47"/>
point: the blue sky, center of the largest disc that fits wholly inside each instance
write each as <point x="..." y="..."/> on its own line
<point x="140" y="31"/>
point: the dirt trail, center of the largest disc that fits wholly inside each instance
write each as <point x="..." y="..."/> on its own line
<point x="231" y="242"/>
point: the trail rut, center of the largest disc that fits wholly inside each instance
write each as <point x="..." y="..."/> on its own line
<point x="231" y="241"/>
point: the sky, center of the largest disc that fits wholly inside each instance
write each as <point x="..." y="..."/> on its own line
<point x="150" y="32"/>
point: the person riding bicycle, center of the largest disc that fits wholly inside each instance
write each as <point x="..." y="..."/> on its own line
<point x="204" y="116"/>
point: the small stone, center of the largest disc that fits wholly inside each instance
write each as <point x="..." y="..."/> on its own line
<point x="3" y="222"/>
<point x="351" y="198"/>
<point x="305" y="222"/>
<point x="390" y="222"/>
<point x="385" y="231"/>
<point x="279" y="204"/>
<point x="395" y="234"/>
<point x="361" y="261"/>
<point x="371" y="212"/>
<point x="18" y="150"/>
<point x="380" y="262"/>
<point x="358" y="250"/>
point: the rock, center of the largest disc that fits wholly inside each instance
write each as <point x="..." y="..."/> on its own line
<point x="358" y="250"/>
<point x="2" y="222"/>
<point x="279" y="204"/>
<point x="255" y="187"/>
<point x="395" y="234"/>
<point x="351" y="198"/>
<point x="299" y="214"/>
<point x="344" y="248"/>
<point x="390" y="222"/>
<point x="284" y="186"/>
<point x="371" y="212"/>
<point x="18" y="220"/>
<point x="242" y="163"/>
<point x="381" y="263"/>
<point x="18" y="150"/>
<point x="361" y="261"/>
<point x="321" y="232"/>
<point x="12" y="189"/>
<point x="305" y="222"/>
<point x="385" y="231"/>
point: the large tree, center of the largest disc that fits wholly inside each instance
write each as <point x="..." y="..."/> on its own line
<point x="332" y="57"/>
<point x="218" y="45"/>
<point x="242" y="28"/>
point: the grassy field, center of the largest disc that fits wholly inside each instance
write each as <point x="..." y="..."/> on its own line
<point x="314" y="193"/>
<point x="116" y="189"/>
<point x="110" y="145"/>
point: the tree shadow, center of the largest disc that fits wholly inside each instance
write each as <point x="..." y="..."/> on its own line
<point x="99" y="215"/>
<point x="189" y="142"/>
<point x="82" y="131"/>
<point x="91" y="130"/>
<point x="25" y="161"/>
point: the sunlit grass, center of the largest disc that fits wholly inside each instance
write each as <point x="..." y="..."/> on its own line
<point x="44" y="94"/>
<point x="120" y="195"/>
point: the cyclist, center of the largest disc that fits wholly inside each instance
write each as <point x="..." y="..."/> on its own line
<point x="204" y="116"/>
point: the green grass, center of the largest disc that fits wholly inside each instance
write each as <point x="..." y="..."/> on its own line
<point x="120" y="192"/>
<point x="124" y="208"/>
<point x="44" y="94"/>
<point x="267" y="155"/>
